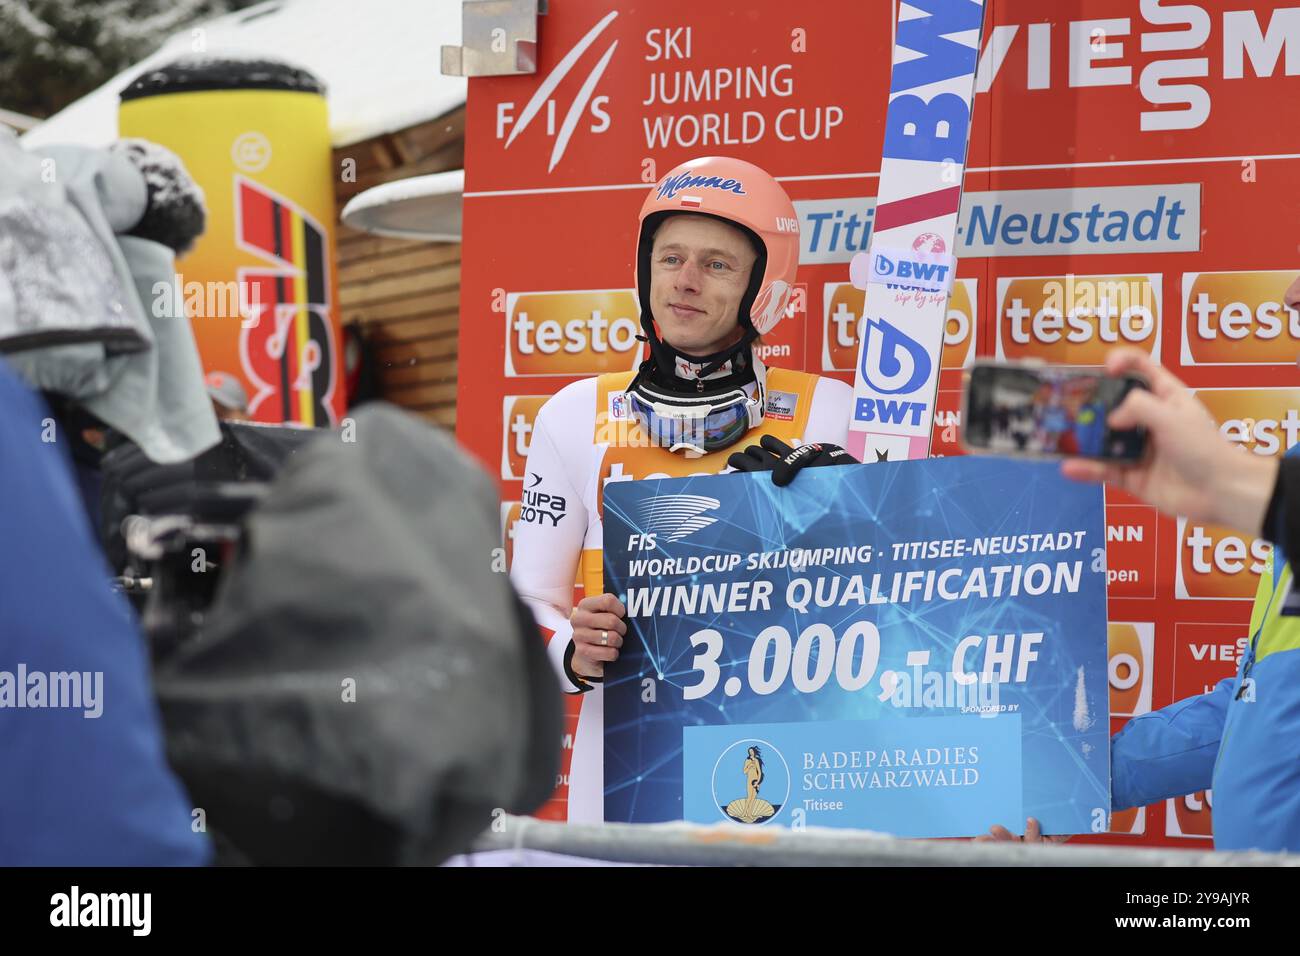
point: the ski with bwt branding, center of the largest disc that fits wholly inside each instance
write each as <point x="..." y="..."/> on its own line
<point x="909" y="267"/>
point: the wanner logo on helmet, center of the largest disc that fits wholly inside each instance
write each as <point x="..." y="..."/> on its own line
<point x="892" y="362"/>
<point x="676" y="516"/>
<point x="672" y="185"/>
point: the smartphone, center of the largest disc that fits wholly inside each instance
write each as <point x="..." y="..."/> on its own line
<point x="1047" y="411"/>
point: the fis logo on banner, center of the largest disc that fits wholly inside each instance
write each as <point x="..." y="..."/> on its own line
<point x="1238" y="318"/>
<point x="1189" y="816"/>
<point x="674" y="517"/>
<point x="1218" y="564"/>
<point x="1130" y="648"/>
<point x="572" y="333"/>
<point x="543" y="101"/>
<point x="842" y="307"/>
<point x="1076" y="320"/>
<point x="518" y="413"/>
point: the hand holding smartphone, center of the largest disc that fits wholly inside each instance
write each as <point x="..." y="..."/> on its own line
<point x="1045" y="411"/>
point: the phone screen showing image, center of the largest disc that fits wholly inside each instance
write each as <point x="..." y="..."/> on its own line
<point x="1058" y="412"/>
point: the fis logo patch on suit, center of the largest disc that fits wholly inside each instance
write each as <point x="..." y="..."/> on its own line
<point x="1130" y="649"/>
<point x="781" y="406"/>
<point x="842" y="307"/>
<point x="1238" y="318"/>
<point x="1076" y="320"/>
<point x="573" y="334"/>
<point x="518" y="414"/>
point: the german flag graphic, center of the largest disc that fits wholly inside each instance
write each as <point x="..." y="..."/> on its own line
<point x="286" y="341"/>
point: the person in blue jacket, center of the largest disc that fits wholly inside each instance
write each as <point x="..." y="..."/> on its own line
<point x="1241" y="739"/>
<point x="85" y="780"/>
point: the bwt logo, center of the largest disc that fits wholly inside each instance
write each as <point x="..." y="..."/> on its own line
<point x="1218" y="564"/>
<point x="1130" y="647"/>
<point x="673" y="517"/>
<point x="843" y="305"/>
<point x="1076" y="320"/>
<point x="543" y="100"/>
<point x="893" y="363"/>
<point x="1238" y="318"/>
<point x="911" y="273"/>
<point x="670" y="187"/>
<point x="518" y="414"/>
<point x="1097" y="51"/>
<point x="572" y="333"/>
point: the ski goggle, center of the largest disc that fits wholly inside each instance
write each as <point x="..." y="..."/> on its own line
<point x="701" y="426"/>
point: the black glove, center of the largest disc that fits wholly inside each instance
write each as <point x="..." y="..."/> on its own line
<point x="784" y="462"/>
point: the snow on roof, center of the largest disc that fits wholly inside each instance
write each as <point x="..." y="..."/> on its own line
<point x="379" y="61"/>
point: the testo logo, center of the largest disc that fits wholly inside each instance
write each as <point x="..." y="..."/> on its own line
<point x="1238" y="318"/>
<point x="1076" y="320"/>
<point x="1130" y="648"/>
<point x="572" y="333"/>
<point x="842" y="307"/>
<point x="510" y="511"/>
<point x="1217" y="564"/>
<point x="1189" y="816"/>
<point x="518" y="413"/>
<point x="1263" y="421"/>
<point x="1131" y="822"/>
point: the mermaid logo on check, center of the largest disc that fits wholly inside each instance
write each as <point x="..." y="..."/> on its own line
<point x="761" y="770"/>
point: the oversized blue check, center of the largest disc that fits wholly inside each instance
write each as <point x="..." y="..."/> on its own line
<point x="916" y="648"/>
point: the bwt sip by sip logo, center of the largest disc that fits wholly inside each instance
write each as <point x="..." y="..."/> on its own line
<point x="544" y="100"/>
<point x="893" y="363"/>
<point x="572" y="333"/>
<point x="1239" y="318"/>
<point x="843" y="305"/>
<point x="673" y="517"/>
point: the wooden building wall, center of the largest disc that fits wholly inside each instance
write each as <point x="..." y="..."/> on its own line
<point x="406" y="294"/>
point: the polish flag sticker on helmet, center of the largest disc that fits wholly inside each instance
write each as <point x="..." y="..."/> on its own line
<point x="693" y="201"/>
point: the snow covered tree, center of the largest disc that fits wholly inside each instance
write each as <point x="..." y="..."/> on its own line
<point x="53" y="51"/>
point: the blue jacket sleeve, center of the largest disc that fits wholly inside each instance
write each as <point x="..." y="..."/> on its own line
<point x="1169" y="752"/>
<point x="85" y="779"/>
